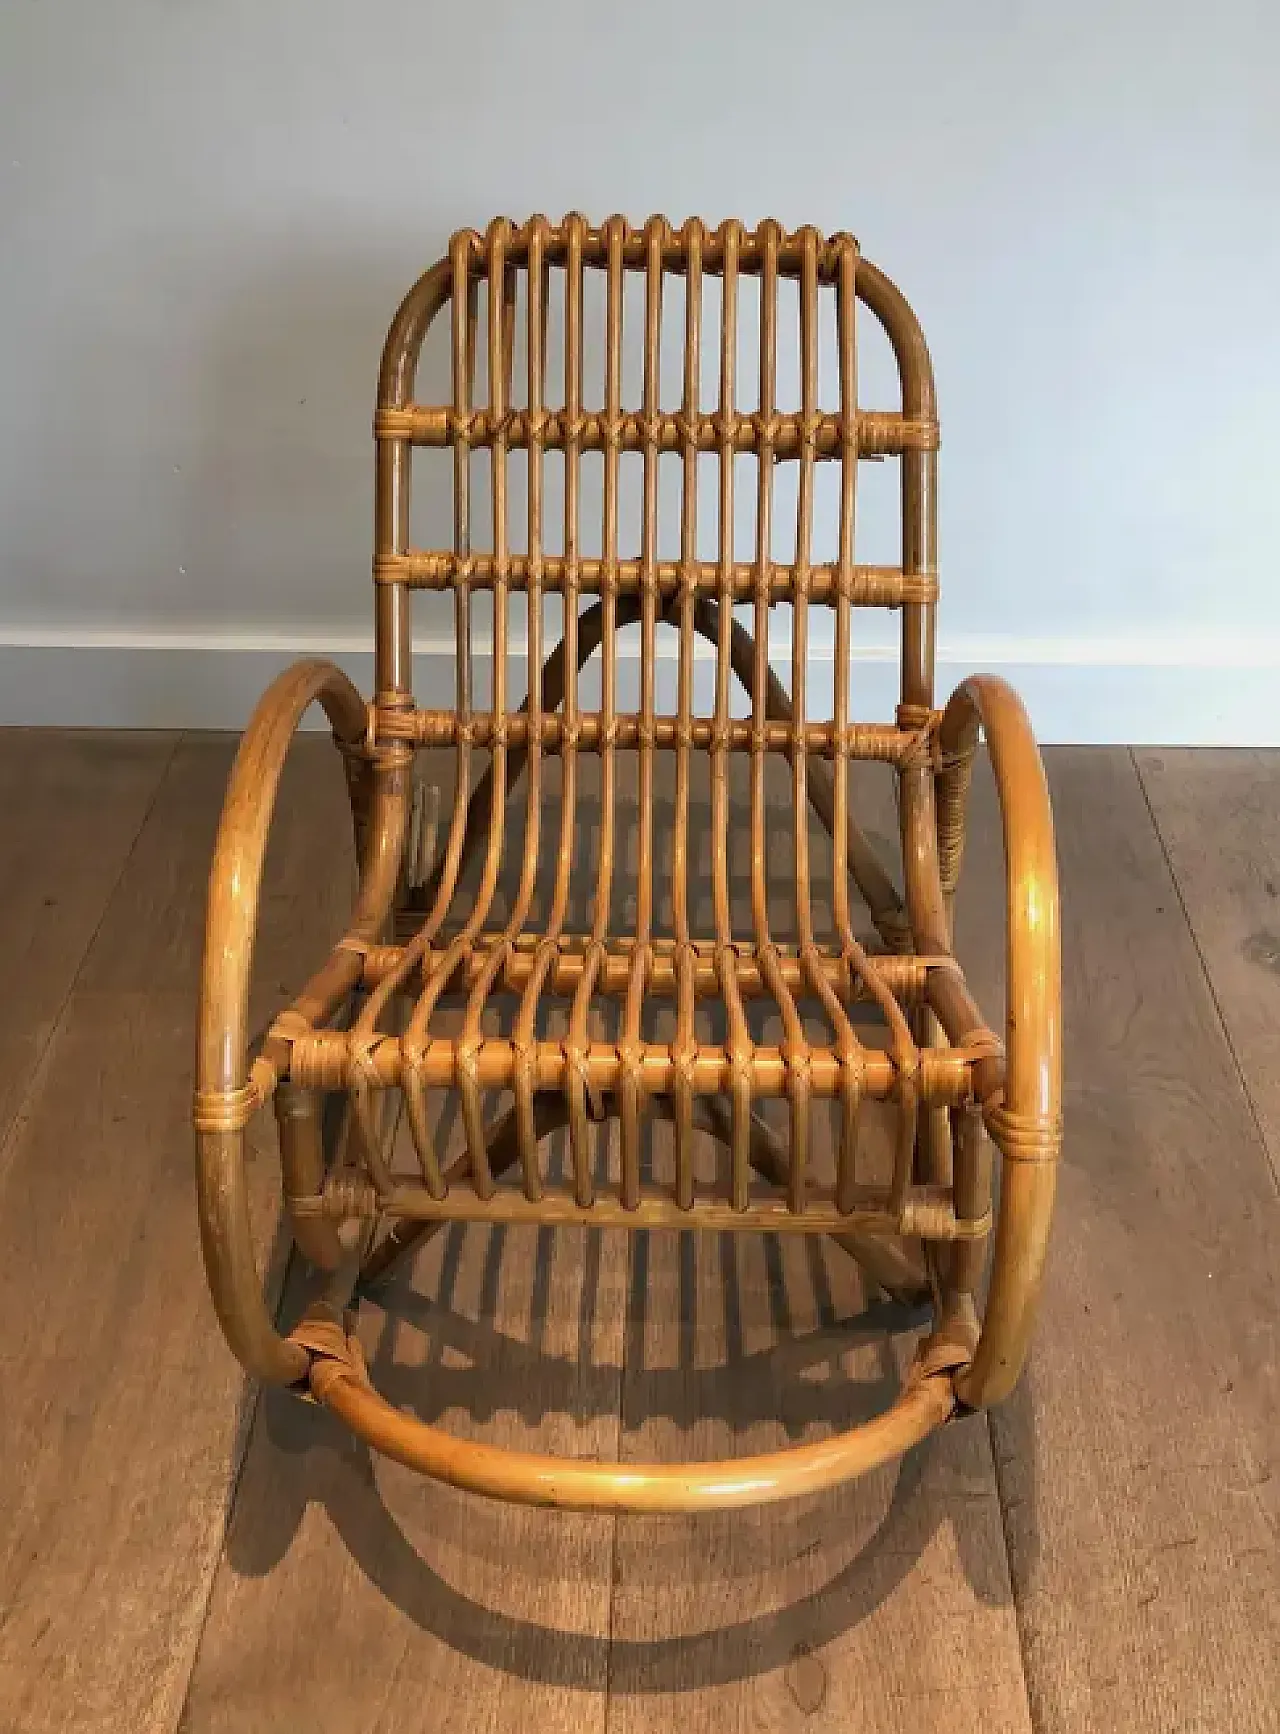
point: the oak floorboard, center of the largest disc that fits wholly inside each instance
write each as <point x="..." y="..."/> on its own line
<point x="1136" y="1459"/>
<point x="72" y="804"/>
<point x="123" y="1414"/>
<point x="1218" y="814"/>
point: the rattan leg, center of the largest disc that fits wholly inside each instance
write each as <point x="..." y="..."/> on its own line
<point x="302" y="1166"/>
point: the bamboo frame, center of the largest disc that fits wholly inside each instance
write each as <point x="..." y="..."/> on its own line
<point x="950" y="1080"/>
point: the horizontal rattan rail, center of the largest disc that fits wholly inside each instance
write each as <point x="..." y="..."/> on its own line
<point x="904" y="977"/>
<point x="892" y="1087"/>
<point x="779" y="437"/>
<point x="861" y="586"/>
<point x="927" y="1211"/>
<point x="594" y="732"/>
<point x="324" y="1061"/>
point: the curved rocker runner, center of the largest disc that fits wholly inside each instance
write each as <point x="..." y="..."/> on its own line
<point x="900" y="1025"/>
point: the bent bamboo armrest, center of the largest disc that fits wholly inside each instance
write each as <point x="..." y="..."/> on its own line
<point x="339" y="1380"/>
<point x="226" y="1091"/>
<point x="1025" y="1119"/>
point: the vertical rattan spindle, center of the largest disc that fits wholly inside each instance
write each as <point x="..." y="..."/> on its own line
<point x="630" y="1046"/>
<point x="739" y="1035"/>
<point x="524" y="1033"/>
<point x="846" y="337"/>
<point x="793" y="1045"/>
<point x="577" y="1088"/>
<point x="501" y="302"/>
<point x="685" y="1045"/>
<point x="799" y="1082"/>
<point x="524" y="1081"/>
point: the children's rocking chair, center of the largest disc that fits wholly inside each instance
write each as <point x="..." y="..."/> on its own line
<point x="881" y="1027"/>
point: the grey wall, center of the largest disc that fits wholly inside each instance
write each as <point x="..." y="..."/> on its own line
<point x="210" y="211"/>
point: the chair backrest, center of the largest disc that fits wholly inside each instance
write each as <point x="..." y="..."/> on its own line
<point x="550" y="405"/>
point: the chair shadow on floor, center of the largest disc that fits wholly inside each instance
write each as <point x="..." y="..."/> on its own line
<point x="465" y="1361"/>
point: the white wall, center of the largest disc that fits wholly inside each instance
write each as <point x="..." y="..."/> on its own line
<point x="210" y="210"/>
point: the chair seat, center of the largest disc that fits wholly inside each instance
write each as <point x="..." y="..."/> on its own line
<point x="495" y="982"/>
<point x="700" y="1032"/>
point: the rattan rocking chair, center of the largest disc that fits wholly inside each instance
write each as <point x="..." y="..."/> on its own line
<point x="900" y="1032"/>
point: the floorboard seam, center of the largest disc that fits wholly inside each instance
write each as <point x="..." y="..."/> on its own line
<point x="181" y="1697"/>
<point x="1269" y="1156"/>
<point x="58" y="1022"/>
<point x="240" y="1459"/>
<point x="613" y="1590"/>
<point x="244" y="1437"/>
<point x="1033" y="1721"/>
<point x="613" y="1534"/>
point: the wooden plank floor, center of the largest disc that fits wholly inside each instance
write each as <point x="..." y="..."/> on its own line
<point x="1135" y="1461"/>
<point x="1098" y="1555"/>
<point x="122" y="1421"/>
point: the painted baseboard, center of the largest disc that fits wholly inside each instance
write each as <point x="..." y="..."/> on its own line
<point x="1084" y="691"/>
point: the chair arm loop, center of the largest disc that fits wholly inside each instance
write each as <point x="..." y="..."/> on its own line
<point x="1025" y="1117"/>
<point x="226" y="1090"/>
